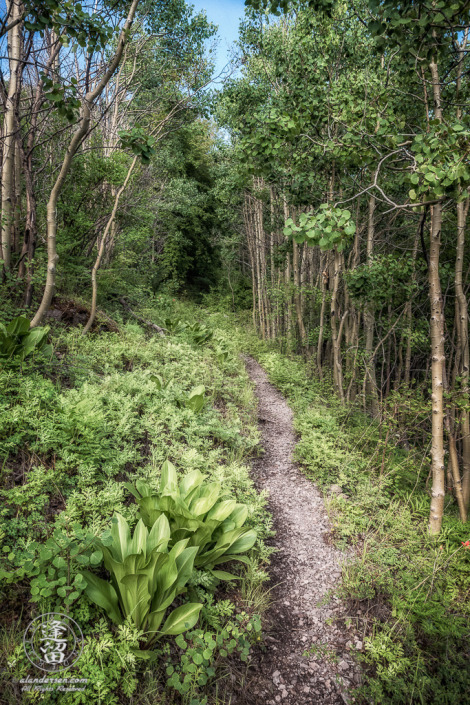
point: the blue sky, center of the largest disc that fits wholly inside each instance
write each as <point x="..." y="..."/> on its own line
<point x="227" y="15"/>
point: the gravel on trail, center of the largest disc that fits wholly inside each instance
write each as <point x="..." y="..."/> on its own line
<point x="305" y="615"/>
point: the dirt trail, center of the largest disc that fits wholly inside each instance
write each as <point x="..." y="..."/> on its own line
<point x="304" y="572"/>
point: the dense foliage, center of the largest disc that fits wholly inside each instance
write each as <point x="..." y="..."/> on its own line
<point x="321" y="190"/>
<point x="75" y="431"/>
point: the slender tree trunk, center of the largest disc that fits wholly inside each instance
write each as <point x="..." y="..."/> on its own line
<point x="463" y="345"/>
<point x="102" y="247"/>
<point x="409" y="310"/>
<point x="251" y="254"/>
<point x="262" y="263"/>
<point x="259" y="276"/>
<point x="80" y="133"/>
<point x="372" y="400"/>
<point x="26" y="265"/>
<point x="17" y="197"/>
<point x="437" y="347"/>
<point x="321" y="327"/>
<point x="454" y="464"/>
<point x="297" y="291"/>
<point x="272" y="270"/>
<point x="287" y="282"/>
<point x="9" y="133"/>
<point x="335" y="337"/>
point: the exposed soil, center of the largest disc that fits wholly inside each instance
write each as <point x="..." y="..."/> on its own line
<point x="305" y="614"/>
<point x="72" y="313"/>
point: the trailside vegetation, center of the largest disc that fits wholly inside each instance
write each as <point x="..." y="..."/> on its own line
<point x="312" y="210"/>
<point x="82" y="430"/>
<point x="351" y="156"/>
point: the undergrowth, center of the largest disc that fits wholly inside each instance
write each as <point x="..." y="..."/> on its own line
<point x="110" y="408"/>
<point x="104" y="410"/>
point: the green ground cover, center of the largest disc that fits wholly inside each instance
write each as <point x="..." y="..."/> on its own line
<point x="106" y="410"/>
<point x="110" y="408"/>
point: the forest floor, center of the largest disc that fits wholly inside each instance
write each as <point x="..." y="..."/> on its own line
<point x="306" y="657"/>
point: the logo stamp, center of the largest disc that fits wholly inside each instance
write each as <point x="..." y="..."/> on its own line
<point x="53" y="642"/>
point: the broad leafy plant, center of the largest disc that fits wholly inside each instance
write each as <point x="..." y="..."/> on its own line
<point x="175" y="325"/>
<point x="18" y="340"/>
<point x="145" y="578"/>
<point x="196" y="513"/>
<point x="195" y="400"/>
<point x="200" y="333"/>
<point x="160" y="383"/>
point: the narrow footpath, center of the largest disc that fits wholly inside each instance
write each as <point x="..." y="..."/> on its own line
<point x="305" y="571"/>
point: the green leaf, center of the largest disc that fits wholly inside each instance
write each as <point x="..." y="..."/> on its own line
<point x="239" y="515"/>
<point x="104" y="595"/>
<point x="168" y="482"/>
<point x="185" y="565"/>
<point x="157" y="380"/>
<point x="159" y="534"/>
<point x="244" y="542"/>
<point x="190" y="482"/>
<point x="195" y="401"/>
<point x="121" y="535"/>
<point x="223" y="575"/>
<point x="96" y="557"/>
<point x="182" y="619"/>
<point x="144" y="655"/>
<point x="35" y="338"/>
<point x="18" y="326"/>
<point x="135" y="597"/>
<point x="222" y="510"/>
<point x="208" y="497"/>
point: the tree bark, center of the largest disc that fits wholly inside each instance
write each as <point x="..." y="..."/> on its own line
<point x="335" y="336"/>
<point x="9" y="133"/>
<point x="463" y="369"/>
<point x="297" y="292"/>
<point x="372" y="400"/>
<point x="323" y="284"/>
<point x="437" y="347"/>
<point x="102" y="247"/>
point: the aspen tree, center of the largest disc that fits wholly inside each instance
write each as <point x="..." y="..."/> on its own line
<point x="85" y="117"/>
<point x="15" y="9"/>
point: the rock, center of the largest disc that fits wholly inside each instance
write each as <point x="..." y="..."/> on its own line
<point x="343" y="665"/>
<point x="55" y="313"/>
<point x="358" y="645"/>
<point x="336" y="489"/>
